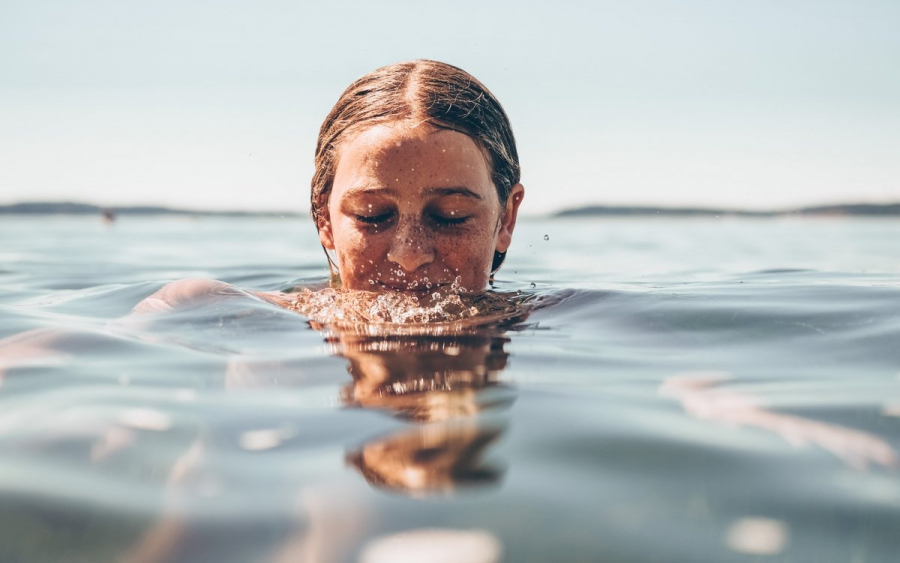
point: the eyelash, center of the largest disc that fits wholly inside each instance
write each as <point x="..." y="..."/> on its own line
<point x="448" y="221"/>
<point x="439" y="220"/>
<point x="374" y="219"/>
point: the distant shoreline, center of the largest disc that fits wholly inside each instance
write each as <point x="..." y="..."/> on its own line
<point x="846" y="210"/>
<point x="72" y="208"/>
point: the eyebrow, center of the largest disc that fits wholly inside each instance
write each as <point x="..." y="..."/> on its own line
<point x="368" y="189"/>
<point x="455" y="190"/>
<point x="445" y="191"/>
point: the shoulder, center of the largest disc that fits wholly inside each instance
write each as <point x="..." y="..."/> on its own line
<point x="192" y="291"/>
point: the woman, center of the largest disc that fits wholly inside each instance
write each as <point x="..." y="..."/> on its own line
<point x="416" y="190"/>
<point x="417" y="180"/>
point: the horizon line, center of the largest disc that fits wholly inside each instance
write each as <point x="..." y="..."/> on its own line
<point x="68" y="207"/>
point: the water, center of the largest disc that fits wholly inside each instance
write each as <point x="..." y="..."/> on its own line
<point x="697" y="390"/>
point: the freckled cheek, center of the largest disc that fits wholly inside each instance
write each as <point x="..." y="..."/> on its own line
<point x="468" y="256"/>
<point x="360" y="253"/>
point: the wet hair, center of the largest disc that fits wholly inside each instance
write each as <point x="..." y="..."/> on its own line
<point x="423" y="91"/>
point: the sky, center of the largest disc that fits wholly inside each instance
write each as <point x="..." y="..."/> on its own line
<point x="216" y="104"/>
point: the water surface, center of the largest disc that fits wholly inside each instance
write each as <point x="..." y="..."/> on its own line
<point x="693" y="390"/>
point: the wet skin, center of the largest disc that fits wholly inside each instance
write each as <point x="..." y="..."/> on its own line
<point x="412" y="208"/>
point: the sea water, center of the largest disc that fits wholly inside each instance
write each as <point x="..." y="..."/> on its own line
<point x="681" y="390"/>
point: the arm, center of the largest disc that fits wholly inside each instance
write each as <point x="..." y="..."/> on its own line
<point x="700" y="397"/>
<point x="48" y="346"/>
<point x="181" y="293"/>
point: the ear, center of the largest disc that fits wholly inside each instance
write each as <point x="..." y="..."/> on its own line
<point x="323" y="224"/>
<point x="508" y="220"/>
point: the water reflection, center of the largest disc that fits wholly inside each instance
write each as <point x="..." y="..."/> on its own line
<point x="431" y="459"/>
<point x="449" y="387"/>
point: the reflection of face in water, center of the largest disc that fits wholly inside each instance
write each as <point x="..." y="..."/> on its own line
<point x="424" y="378"/>
<point x="444" y="381"/>
<point x="430" y="459"/>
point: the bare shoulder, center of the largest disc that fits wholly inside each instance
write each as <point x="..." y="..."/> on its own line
<point x="187" y="292"/>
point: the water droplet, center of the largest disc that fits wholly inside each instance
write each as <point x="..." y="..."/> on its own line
<point x="546" y="237"/>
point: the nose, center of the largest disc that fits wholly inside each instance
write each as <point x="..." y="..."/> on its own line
<point x="411" y="248"/>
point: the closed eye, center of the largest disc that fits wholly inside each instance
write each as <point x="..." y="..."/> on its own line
<point x="448" y="221"/>
<point x="375" y="219"/>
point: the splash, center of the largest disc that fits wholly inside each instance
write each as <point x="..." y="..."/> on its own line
<point x="449" y="309"/>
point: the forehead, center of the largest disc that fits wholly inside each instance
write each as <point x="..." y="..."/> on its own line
<point x="407" y="156"/>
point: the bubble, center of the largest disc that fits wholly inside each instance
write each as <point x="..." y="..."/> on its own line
<point x="546" y="237"/>
<point x="533" y="285"/>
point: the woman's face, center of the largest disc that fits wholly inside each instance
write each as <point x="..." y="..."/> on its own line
<point x="412" y="208"/>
